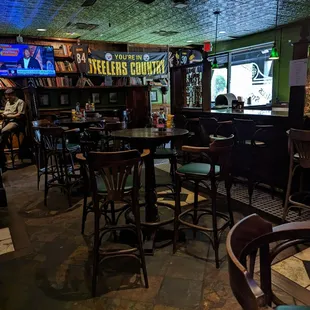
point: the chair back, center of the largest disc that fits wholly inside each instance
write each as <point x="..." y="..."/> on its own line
<point x="300" y="143"/>
<point x="221" y="150"/>
<point x="207" y="127"/>
<point x="244" y="240"/>
<point x="109" y="127"/>
<point x="51" y="138"/>
<point x="244" y="129"/>
<point x="114" y="168"/>
<point x="180" y="121"/>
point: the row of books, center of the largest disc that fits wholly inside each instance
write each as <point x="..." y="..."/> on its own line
<point x="82" y="82"/>
<point x="6" y="83"/>
<point x="51" y="82"/>
<point x="63" y="50"/>
<point x="65" y="66"/>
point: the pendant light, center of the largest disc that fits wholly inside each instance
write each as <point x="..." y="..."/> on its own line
<point x="215" y="64"/>
<point x="274" y="54"/>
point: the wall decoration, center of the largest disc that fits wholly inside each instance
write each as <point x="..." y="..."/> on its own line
<point x="64" y="99"/>
<point x="95" y="97"/>
<point x="44" y="100"/>
<point x="128" y="64"/>
<point x="112" y="97"/>
<point x="153" y="96"/>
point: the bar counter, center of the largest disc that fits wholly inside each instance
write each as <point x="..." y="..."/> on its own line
<point x="277" y="117"/>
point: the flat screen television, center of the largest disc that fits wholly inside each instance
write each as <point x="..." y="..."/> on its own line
<point x="26" y="60"/>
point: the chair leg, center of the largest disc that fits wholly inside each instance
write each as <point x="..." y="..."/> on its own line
<point x="84" y="215"/>
<point x="231" y="214"/>
<point x="173" y="169"/>
<point x="288" y="190"/>
<point x="142" y="256"/>
<point x="214" y="224"/>
<point x="250" y="189"/>
<point x="96" y="255"/>
<point x="177" y="211"/>
<point x="45" y="182"/>
<point x="195" y="208"/>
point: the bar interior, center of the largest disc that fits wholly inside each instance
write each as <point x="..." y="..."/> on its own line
<point x="155" y="155"/>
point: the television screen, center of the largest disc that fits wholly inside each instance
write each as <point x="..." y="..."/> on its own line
<point x="26" y="60"/>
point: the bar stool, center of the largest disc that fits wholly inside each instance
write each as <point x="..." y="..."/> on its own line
<point x="11" y="150"/>
<point x="299" y="150"/>
<point x="55" y="149"/>
<point x="248" y="142"/>
<point x="217" y="168"/>
<point x="37" y="154"/>
<point x="114" y="169"/>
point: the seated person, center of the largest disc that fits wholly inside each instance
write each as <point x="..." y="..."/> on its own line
<point x="13" y="117"/>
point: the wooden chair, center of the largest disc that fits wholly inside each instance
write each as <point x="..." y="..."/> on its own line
<point x="207" y="127"/>
<point x="299" y="150"/>
<point x="37" y="154"/>
<point x="217" y="168"/>
<point x="55" y="149"/>
<point x="243" y="242"/>
<point x="246" y="150"/>
<point x="114" y="169"/>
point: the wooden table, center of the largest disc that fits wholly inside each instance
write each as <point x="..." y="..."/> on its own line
<point x="80" y="123"/>
<point x="150" y="138"/>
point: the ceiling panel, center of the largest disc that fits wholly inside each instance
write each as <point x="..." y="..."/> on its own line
<point x="157" y="23"/>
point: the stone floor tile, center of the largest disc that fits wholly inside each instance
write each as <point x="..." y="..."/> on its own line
<point x="134" y="289"/>
<point x="186" y="268"/>
<point x="161" y="307"/>
<point x="180" y="293"/>
<point x="5" y="233"/>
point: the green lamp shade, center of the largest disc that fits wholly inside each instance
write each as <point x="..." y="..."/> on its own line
<point x="274" y="54"/>
<point x="215" y="64"/>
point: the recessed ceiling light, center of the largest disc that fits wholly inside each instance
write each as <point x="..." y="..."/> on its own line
<point x="101" y="35"/>
<point x="41" y="29"/>
<point x="222" y="32"/>
<point x="189" y="41"/>
<point x="70" y="33"/>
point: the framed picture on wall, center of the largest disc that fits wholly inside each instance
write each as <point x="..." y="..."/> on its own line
<point x="95" y="97"/>
<point x="64" y="99"/>
<point x="112" y="97"/>
<point x="44" y="100"/>
<point x="153" y="96"/>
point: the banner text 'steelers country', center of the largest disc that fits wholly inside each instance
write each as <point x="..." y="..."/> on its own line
<point x="127" y="64"/>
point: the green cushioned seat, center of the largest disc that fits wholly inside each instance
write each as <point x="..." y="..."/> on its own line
<point x="72" y="147"/>
<point x="102" y="187"/>
<point x="292" y="308"/>
<point x="197" y="168"/>
<point x="165" y="153"/>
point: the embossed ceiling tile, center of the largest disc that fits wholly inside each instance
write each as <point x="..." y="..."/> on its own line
<point x="133" y="21"/>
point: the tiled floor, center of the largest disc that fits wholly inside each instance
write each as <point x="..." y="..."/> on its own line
<point x="55" y="271"/>
<point x="6" y="243"/>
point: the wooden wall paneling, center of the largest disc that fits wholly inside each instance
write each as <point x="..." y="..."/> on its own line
<point x="298" y="93"/>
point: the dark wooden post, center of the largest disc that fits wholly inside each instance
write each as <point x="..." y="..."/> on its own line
<point x="298" y="93"/>
<point x="206" y="84"/>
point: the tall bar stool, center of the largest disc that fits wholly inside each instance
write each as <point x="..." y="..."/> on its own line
<point x="14" y="135"/>
<point x="207" y="126"/>
<point x="299" y="150"/>
<point x="248" y="142"/>
<point x="37" y="154"/>
<point x="114" y="169"/>
<point x="55" y="149"/>
<point x="216" y="168"/>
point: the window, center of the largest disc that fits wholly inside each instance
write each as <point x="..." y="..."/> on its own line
<point x="219" y="78"/>
<point x="251" y="75"/>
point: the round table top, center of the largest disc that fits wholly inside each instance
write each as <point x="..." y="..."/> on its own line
<point x="149" y="133"/>
<point x="81" y="157"/>
<point x="83" y="121"/>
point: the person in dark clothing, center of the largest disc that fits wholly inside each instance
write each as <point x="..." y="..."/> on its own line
<point x="27" y="61"/>
<point x="13" y="117"/>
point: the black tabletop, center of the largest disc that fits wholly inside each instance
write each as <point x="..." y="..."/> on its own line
<point x="83" y="121"/>
<point x="149" y="133"/>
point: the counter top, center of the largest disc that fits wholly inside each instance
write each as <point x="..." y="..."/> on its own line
<point x="283" y="113"/>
